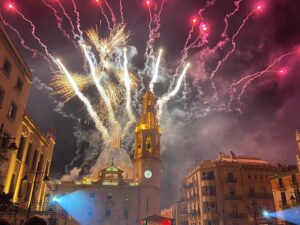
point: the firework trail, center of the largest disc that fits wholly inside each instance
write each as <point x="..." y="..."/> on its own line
<point x="154" y="26"/>
<point x="220" y="62"/>
<point x="69" y="18"/>
<point x="59" y="22"/>
<point x="257" y="75"/>
<point x="224" y="34"/>
<point x="111" y="116"/>
<point x="127" y="83"/>
<point x="184" y="55"/>
<point x="33" y="32"/>
<point x="113" y="17"/>
<point x="77" y="19"/>
<point x="104" y="14"/>
<point x="233" y="43"/>
<point x="207" y="5"/>
<point x="100" y="127"/>
<point x="163" y="100"/>
<point x="121" y="12"/>
<point x="22" y="41"/>
<point x="155" y="74"/>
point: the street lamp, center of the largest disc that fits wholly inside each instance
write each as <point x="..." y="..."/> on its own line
<point x="25" y="179"/>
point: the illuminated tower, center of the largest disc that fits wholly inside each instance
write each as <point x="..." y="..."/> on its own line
<point x="147" y="158"/>
<point x="298" y="143"/>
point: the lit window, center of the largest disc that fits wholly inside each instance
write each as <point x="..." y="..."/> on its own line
<point x="12" y="112"/>
<point x="148" y="144"/>
<point x="6" y="67"/>
<point x="19" y="85"/>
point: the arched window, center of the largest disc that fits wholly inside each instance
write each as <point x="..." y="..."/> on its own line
<point x="148" y="144"/>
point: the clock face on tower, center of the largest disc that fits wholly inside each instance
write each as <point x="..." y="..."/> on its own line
<point x="148" y="174"/>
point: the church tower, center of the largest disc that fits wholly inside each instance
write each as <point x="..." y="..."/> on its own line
<point x="147" y="158"/>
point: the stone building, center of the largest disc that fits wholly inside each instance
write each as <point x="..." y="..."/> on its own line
<point x="15" y="82"/>
<point x="286" y="192"/>
<point x="231" y="190"/>
<point x="25" y="152"/>
<point x="122" y="193"/>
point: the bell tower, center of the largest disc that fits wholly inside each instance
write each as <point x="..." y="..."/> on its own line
<point x="147" y="158"/>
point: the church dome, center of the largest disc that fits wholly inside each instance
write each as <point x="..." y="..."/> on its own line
<point x="117" y="157"/>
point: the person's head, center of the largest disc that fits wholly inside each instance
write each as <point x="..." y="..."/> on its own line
<point x="3" y="222"/>
<point x="36" y="220"/>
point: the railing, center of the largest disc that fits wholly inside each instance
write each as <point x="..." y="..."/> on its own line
<point x="194" y="213"/>
<point x="209" y="193"/>
<point x="260" y="195"/>
<point x="234" y="215"/>
<point x="231" y="180"/>
<point x="208" y="177"/>
<point x="233" y="197"/>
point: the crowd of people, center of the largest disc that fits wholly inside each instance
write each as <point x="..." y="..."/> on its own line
<point x="34" y="220"/>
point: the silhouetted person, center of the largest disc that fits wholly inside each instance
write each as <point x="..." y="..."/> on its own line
<point x="3" y="222"/>
<point x="36" y="220"/>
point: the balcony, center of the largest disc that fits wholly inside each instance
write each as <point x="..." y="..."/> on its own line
<point x="208" y="177"/>
<point x="260" y="195"/>
<point x="234" y="215"/>
<point x="194" y="213"/>
<point x="233" y="197"/>
<point x="231" y="180"/>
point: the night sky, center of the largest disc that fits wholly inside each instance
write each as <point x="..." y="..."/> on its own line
<point x="270" y="106"/>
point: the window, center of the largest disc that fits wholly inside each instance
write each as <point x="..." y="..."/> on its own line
<point x="2" y="93"/>
<point x="283" y="198"/>
<point x="21" y="148"/>
<point x="208" y="175"/>
<point x="109" y="196"/>
<point x="231" y="191"/>
<point x="125" y="213"/>
<point x="35" y="159"/>
<point x="12" y="111"/>
<point x="147" y="205"/>
<point x="263" y="190"/>
<point x="92" y="196"/>
<point x="280" y="182"/>
<point x="90" y="212"/>
<point x="251" y="189"/>
<point x="41" y="162"/>
<point x="294" y="179"/>
<point x="108" y="213"/>
<point x="29" y="154"/>
<point x="209" y="190"/>
<point x="19" y="85"/>
<point x="28" y="190"/>
<point x="210" y="206"/>
<point x="148" y="144"/>
<point x="6" y="67"/>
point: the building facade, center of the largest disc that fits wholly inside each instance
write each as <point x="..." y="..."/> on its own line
<point x="30" y="156"/>
<point x="15" y="82"/>
<point x="120" y="194"/>
<point x="286" y="192"/>
<point x="229" y="190"/>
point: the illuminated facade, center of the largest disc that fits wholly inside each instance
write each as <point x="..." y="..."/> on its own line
<point x="116" y="195"/>
<point x="229" y="190"/>
<point x="33" y="152"/>
<point x="15" y="82"/>
<point x="285" y="187"/>
<point x="33" y="158"/>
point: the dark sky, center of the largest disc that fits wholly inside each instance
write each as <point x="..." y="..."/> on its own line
<point x="270" y="106"/>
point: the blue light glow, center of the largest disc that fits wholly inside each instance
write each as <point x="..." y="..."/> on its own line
<point x="79" y="206"/>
